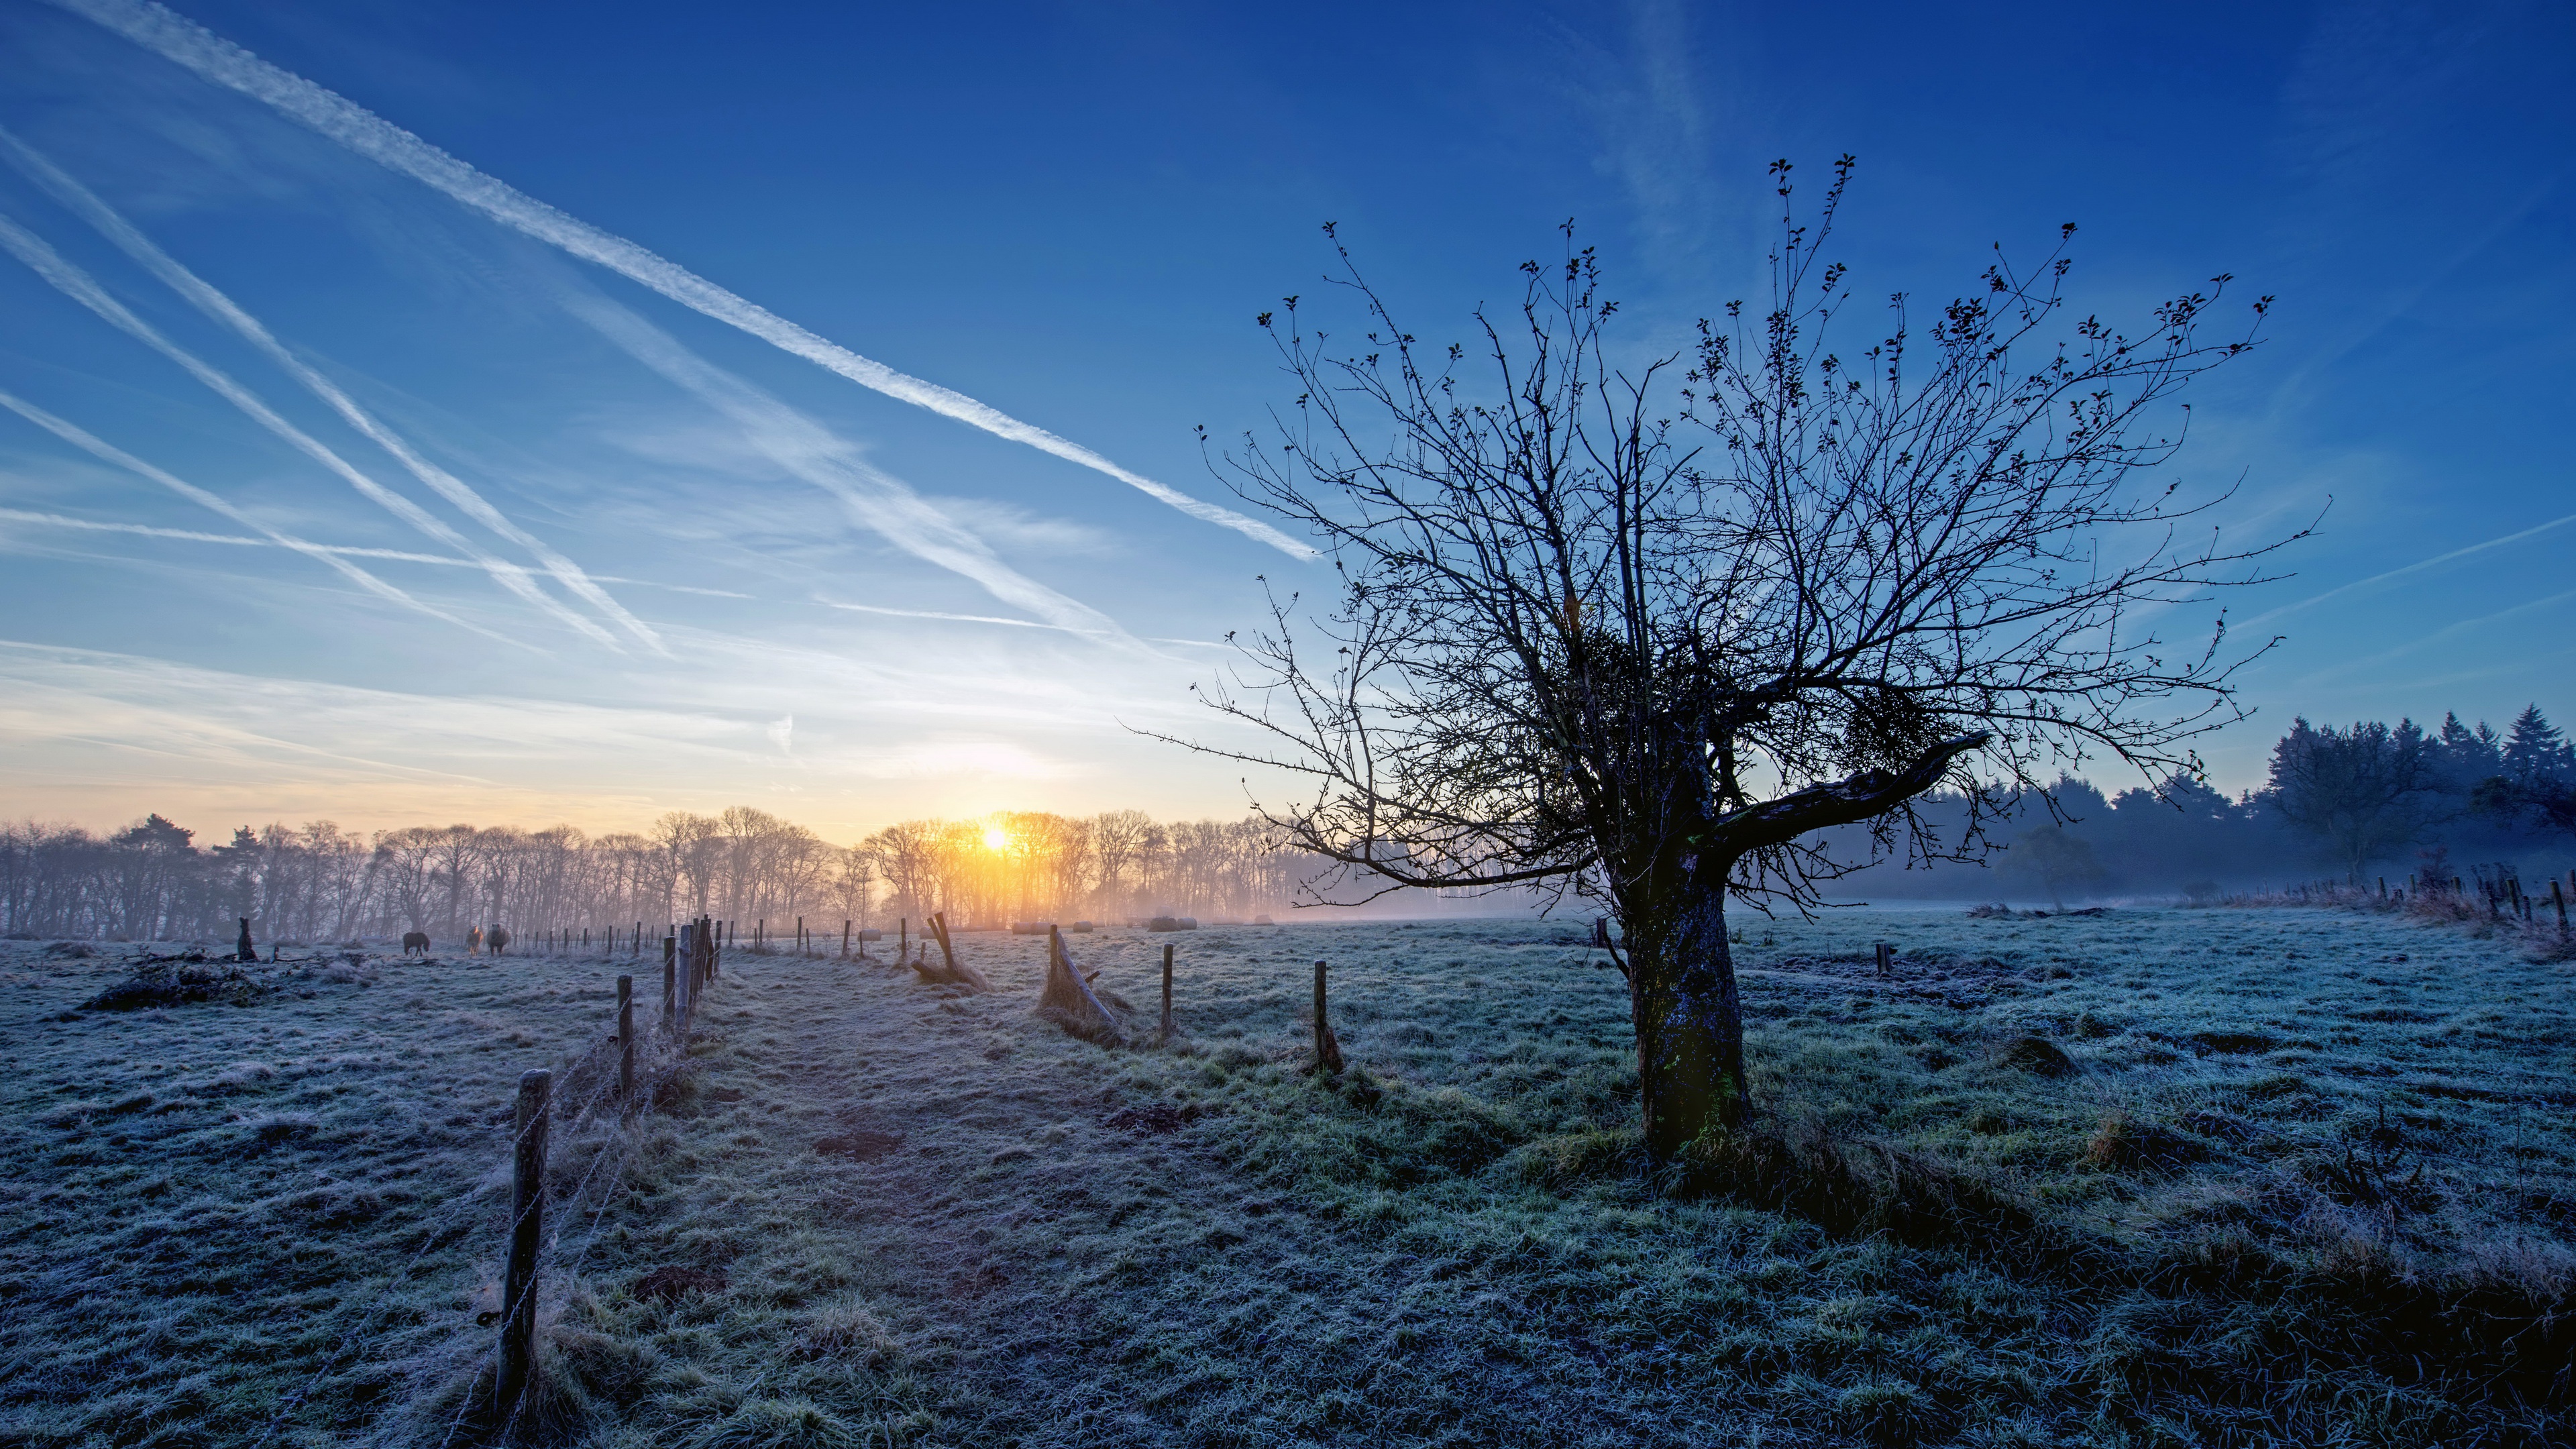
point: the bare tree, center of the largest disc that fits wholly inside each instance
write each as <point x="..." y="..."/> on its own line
<point x="1119" y="839"/>
<point x="1638" y="631"/>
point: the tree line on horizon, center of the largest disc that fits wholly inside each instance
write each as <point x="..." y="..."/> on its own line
<point x="2360" y="802"/>
<point x="151" y="881"/>
<point x="2337" y="799"/>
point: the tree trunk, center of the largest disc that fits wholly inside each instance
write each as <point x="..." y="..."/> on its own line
<point x="1690" y="1025"/>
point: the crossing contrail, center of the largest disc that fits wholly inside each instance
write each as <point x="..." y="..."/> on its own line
<point x="184" y="42"/>
<point x="807" y="450"/>
<point x="108" y="452"/>
<point x="85" y="204"/>
<point x="78" y="285"/>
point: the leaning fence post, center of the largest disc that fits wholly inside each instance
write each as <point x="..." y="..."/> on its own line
<point x="1886" y="958"/>
<point x="670" y="979"/>
<point x="527" y="1230"/>
<point x="1167" y="991"/>
<point x="626" y="1039"/>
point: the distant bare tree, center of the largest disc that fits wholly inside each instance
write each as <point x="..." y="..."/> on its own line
<point x="1120" y="839"/>
<point x="1638" y="634"/>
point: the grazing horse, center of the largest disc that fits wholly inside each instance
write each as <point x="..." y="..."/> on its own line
<point x="415" y="941"/>
<point x="474" y="941"/>
<point x="497" y="939"/>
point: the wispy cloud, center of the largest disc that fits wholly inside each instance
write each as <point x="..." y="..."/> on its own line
<point x="107" y="452"/>
<point x="808" y="450"/>
<point x="186" y="43"/>
<point x="78" y="285"/>
<point x="81" y="202"/>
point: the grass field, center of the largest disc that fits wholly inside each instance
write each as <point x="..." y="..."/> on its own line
<point x="2147" y="1177"/>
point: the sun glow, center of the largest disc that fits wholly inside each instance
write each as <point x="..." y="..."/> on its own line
<point x="996" y="838"/>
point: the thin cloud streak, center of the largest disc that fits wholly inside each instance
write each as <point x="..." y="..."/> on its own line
<point x="807" y="450"/>
<point x="2435" y="561"/>
<point x="85" y="204"/>
<point x="953" y="618"/>
<point x="78" y="285"/>
<point x="396" y="555"/>
<point x="220" y="61"/>
<point x="107" y="452"/>
<point x="2449" y="631"/>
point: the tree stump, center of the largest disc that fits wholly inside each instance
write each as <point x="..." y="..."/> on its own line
<point x="1067" y="998"/>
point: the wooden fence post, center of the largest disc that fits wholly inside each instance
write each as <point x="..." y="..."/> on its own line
<point x="527" y="1231"/>
<point x="1328" y="1052"/>
<point x="670" y="980"/>
<point x="2558" y="898"/>
<point x="1167" y="991"/>
<point x="626" y="1039"/>
<point x="845" y="940"/>
<point x="1886" y="958"/>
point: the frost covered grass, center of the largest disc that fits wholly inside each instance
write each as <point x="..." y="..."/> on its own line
<point x="2186" y="1177"/>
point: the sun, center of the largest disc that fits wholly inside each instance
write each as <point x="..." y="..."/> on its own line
<point x="996" y="838"/>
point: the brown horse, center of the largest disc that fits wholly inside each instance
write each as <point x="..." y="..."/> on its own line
<point x="415" y="941"/>
<point x="474" y="941"/>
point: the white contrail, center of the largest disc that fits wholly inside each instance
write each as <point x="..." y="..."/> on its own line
<point x="78" y="285"/>
<point x="186" y="43"/>
<point x="952" y="618"/>
<point x="2416" y="567"/>
<point x="810" y="451"/>
<point x="108" y="452"/>
<point x="85" y="204"/>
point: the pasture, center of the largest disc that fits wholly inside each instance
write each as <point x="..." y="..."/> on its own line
<point x="2147" y="1177"/>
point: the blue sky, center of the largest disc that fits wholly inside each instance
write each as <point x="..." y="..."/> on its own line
<point x="672" y="566"/>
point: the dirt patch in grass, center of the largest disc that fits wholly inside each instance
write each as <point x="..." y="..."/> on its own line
<point x="2036" y="1055"/>
<point x="859" y="1144"/>
<point x="182" y="982"/>
<point x="670" y="1284"/>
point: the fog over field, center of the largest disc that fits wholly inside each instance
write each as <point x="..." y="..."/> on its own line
<point x="2221" y="1176"/>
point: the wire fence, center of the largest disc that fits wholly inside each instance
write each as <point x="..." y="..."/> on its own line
<point x="596" y="1100"/>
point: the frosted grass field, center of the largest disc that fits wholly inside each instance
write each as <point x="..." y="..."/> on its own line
<point x="2151" y="1177"/>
